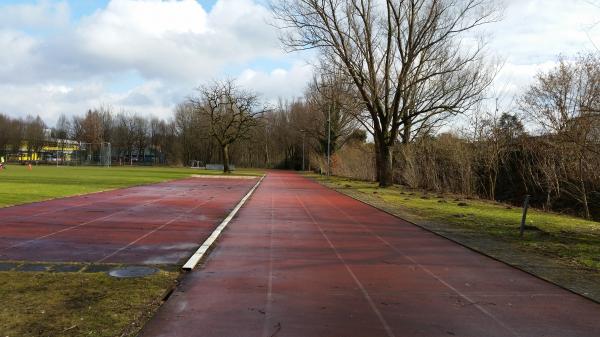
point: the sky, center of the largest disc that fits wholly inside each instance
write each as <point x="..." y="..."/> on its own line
<point x="145" y="56"/>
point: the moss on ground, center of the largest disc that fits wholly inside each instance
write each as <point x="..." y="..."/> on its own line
<point x="560" y="248"/>
<point x="78" y="304"/>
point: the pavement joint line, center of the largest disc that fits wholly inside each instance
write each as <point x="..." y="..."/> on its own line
<point x="269" y="297"/>
<point x="427" y="270"/>
<point x="447" y="236"/>
<point x="23" y="243"/>
<point x="62" y="209"/>
<point x="87" y="203"/>
<point x="151" y="232"/>
<point x="362" y="288"/>
<point x="199" y="254"/>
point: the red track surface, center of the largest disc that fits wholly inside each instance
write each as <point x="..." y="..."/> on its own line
<point x="302" y="260"/>
<point x="155" y="224"/>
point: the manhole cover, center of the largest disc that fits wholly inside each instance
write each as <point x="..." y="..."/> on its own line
<point x="98" y="268"/>
<point x="132" y="271"/>
<point x="34" y="267"/>
<point x="67" y="268"/>
<point x="8" y="266"/>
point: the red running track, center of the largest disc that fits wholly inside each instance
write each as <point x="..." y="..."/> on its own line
<point x="154" y="224"/>
<point x="302" y="260"/>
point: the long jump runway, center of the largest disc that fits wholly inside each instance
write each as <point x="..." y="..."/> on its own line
<point x="155" y="224"/>
<point x="302" y="260"/>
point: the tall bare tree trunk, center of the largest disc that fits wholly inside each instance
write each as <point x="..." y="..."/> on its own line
<point x="377" y="161"/>
<point x="225" y="149"/>
<point x="386" y="169"/>
<point x="584" y="199"/>
<point x="406" y="131"/>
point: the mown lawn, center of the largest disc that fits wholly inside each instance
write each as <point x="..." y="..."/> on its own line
<point x="560" y="248"/>
<point x="78" y="304"/>
<point x="20" y="185"/>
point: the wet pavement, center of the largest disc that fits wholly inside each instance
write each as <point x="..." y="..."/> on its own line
<point x="302" y="260"/>
<point x="158" y="224"/>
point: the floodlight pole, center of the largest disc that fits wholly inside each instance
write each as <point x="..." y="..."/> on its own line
<point x="303" y="135"/>
<point x="329" y="141"/>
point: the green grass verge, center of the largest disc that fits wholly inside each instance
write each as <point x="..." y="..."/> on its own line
<point x="560" y="248"/>
<point x="20" y="185"/>
<point x="78" y="304"/>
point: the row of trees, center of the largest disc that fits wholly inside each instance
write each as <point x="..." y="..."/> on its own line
<point x="391" y="74"/>
<point x="223" y="120"/>
<point x="14" y="130"/>
<point x="409" y="64"/>
<point x="131" y="135"/>
<point x="494" y="156"/>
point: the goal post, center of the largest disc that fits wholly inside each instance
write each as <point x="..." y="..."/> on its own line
<point x="105" y="154"/>
<point x="196" y="164"/>
<point x="93" y="154"/>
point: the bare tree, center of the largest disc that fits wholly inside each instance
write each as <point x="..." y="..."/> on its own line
<point x="35" y="134"/>
<point x="61" y="133"/>
<point x="94" y="127"/>
<point x="124" y="135"/>
<point x="406" y="58"/>
<point x="333" y="111"/>
<point x="565" y="104"/>
<point x="230" y="111"/>
<point x="5" y="123"/>
<point x="140" y="135"/>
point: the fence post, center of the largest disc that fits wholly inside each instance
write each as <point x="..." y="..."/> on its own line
<point x="524" y="218"/>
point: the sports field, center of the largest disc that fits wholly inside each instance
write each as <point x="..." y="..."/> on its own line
<point x="298" y="259"/>
<point x="19" y="184"/>
<point x="54" y="255"/>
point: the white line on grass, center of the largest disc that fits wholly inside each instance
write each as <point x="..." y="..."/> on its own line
<point x="199" y="254"/>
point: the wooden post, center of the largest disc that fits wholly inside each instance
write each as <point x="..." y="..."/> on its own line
<point x="524" y="218"/>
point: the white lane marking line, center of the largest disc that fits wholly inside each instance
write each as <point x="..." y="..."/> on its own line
<point x="199" y="254"/>
<point x="428" y="271"/>
<point x="364" y="291"/>
<point x="266" y="325"/>
<point x="81" y="224"/>
<point x="87" y="203"/>
<point x="153" y="231"/>
<point x="208" y="176"/>
<point x="23" y="243"/>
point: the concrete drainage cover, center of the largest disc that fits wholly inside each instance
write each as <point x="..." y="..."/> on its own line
<point x="132" y="271"/>
<point x="34" y="267"/>
<point x="7" y="266"/>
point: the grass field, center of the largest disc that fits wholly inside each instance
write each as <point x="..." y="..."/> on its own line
<point x="557" y="247"/>
<point x="78" y="304"/>
<point x="20" y="185"/>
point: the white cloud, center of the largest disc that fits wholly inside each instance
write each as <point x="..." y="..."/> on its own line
<point x="279" y="83"/>
<point x="176" y="39"/>
<point x="533" y="34"/>
<point x="51" y="63"/>
<point x="16" y="56"/>
<point x="538" y="30"/>
<point x="171" y="47"/>
<point x="49" y="101"/>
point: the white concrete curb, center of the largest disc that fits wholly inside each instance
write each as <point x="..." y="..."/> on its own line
<point x="199" y="254"/>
